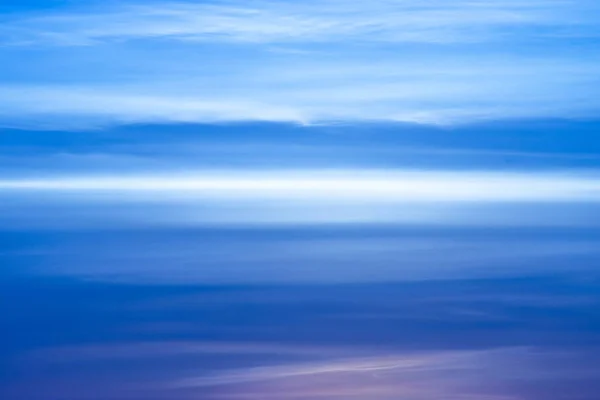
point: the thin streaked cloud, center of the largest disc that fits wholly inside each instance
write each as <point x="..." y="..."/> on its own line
<point x="418" y="376"/>
<point x="373" y="185"/>
<point x="308" y="21"/>
<point x="307" y="63"/>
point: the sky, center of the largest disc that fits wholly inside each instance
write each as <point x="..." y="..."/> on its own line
<point x="303" y="200"/>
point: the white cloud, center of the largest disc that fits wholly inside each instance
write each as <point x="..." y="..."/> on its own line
<point x="331" y="185"/>
<point x="304" y="62"/>
<point x="116" y="105"/>
<point x="304" y="197"/>
<point x="333" y="372"/>
<point x="316" y="21"/>
<point x="449" y="375"/>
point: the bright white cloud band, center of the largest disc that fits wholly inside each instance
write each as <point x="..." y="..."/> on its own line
<point x="348" y="185"/>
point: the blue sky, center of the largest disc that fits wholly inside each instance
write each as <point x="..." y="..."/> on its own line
<point x="74" y="65"/>
<point x="300" y="200"/>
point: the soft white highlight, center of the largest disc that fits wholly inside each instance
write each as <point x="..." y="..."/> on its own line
<point x="342" y="185"/>
<point x="427" y="376"/>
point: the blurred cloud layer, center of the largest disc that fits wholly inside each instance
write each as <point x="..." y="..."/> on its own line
<point x="511" y="338"/>
<point x="302" y="200"/>
<point x="307" y="62"/>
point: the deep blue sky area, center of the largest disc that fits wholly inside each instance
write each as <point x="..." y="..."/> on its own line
<point x="299" y="200"/>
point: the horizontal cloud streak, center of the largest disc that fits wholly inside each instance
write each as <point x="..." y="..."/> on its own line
<point x="358" y="185"/>
<point x="305" y="90"/>
<point x="309" y="62"/>
<point x="406" y="364"/>
<point x="307" y="342"/>
<point x="421" y="376"/>
<point x="331" y="20"/>
<point x="261" y="255"/>
<point x="565" y="198"/>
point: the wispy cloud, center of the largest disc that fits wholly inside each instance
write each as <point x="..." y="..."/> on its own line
<point x="420" y="376"/>
<point x="305" y="62"/>
<point x="464" y="89"/>
<point x="293" y="371"/>
<point x="285" y="342"/>
<point x="307" y="21"/>
<point x="361" y="365"/>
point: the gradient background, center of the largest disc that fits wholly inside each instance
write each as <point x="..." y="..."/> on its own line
<point x="300" y="200"/>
